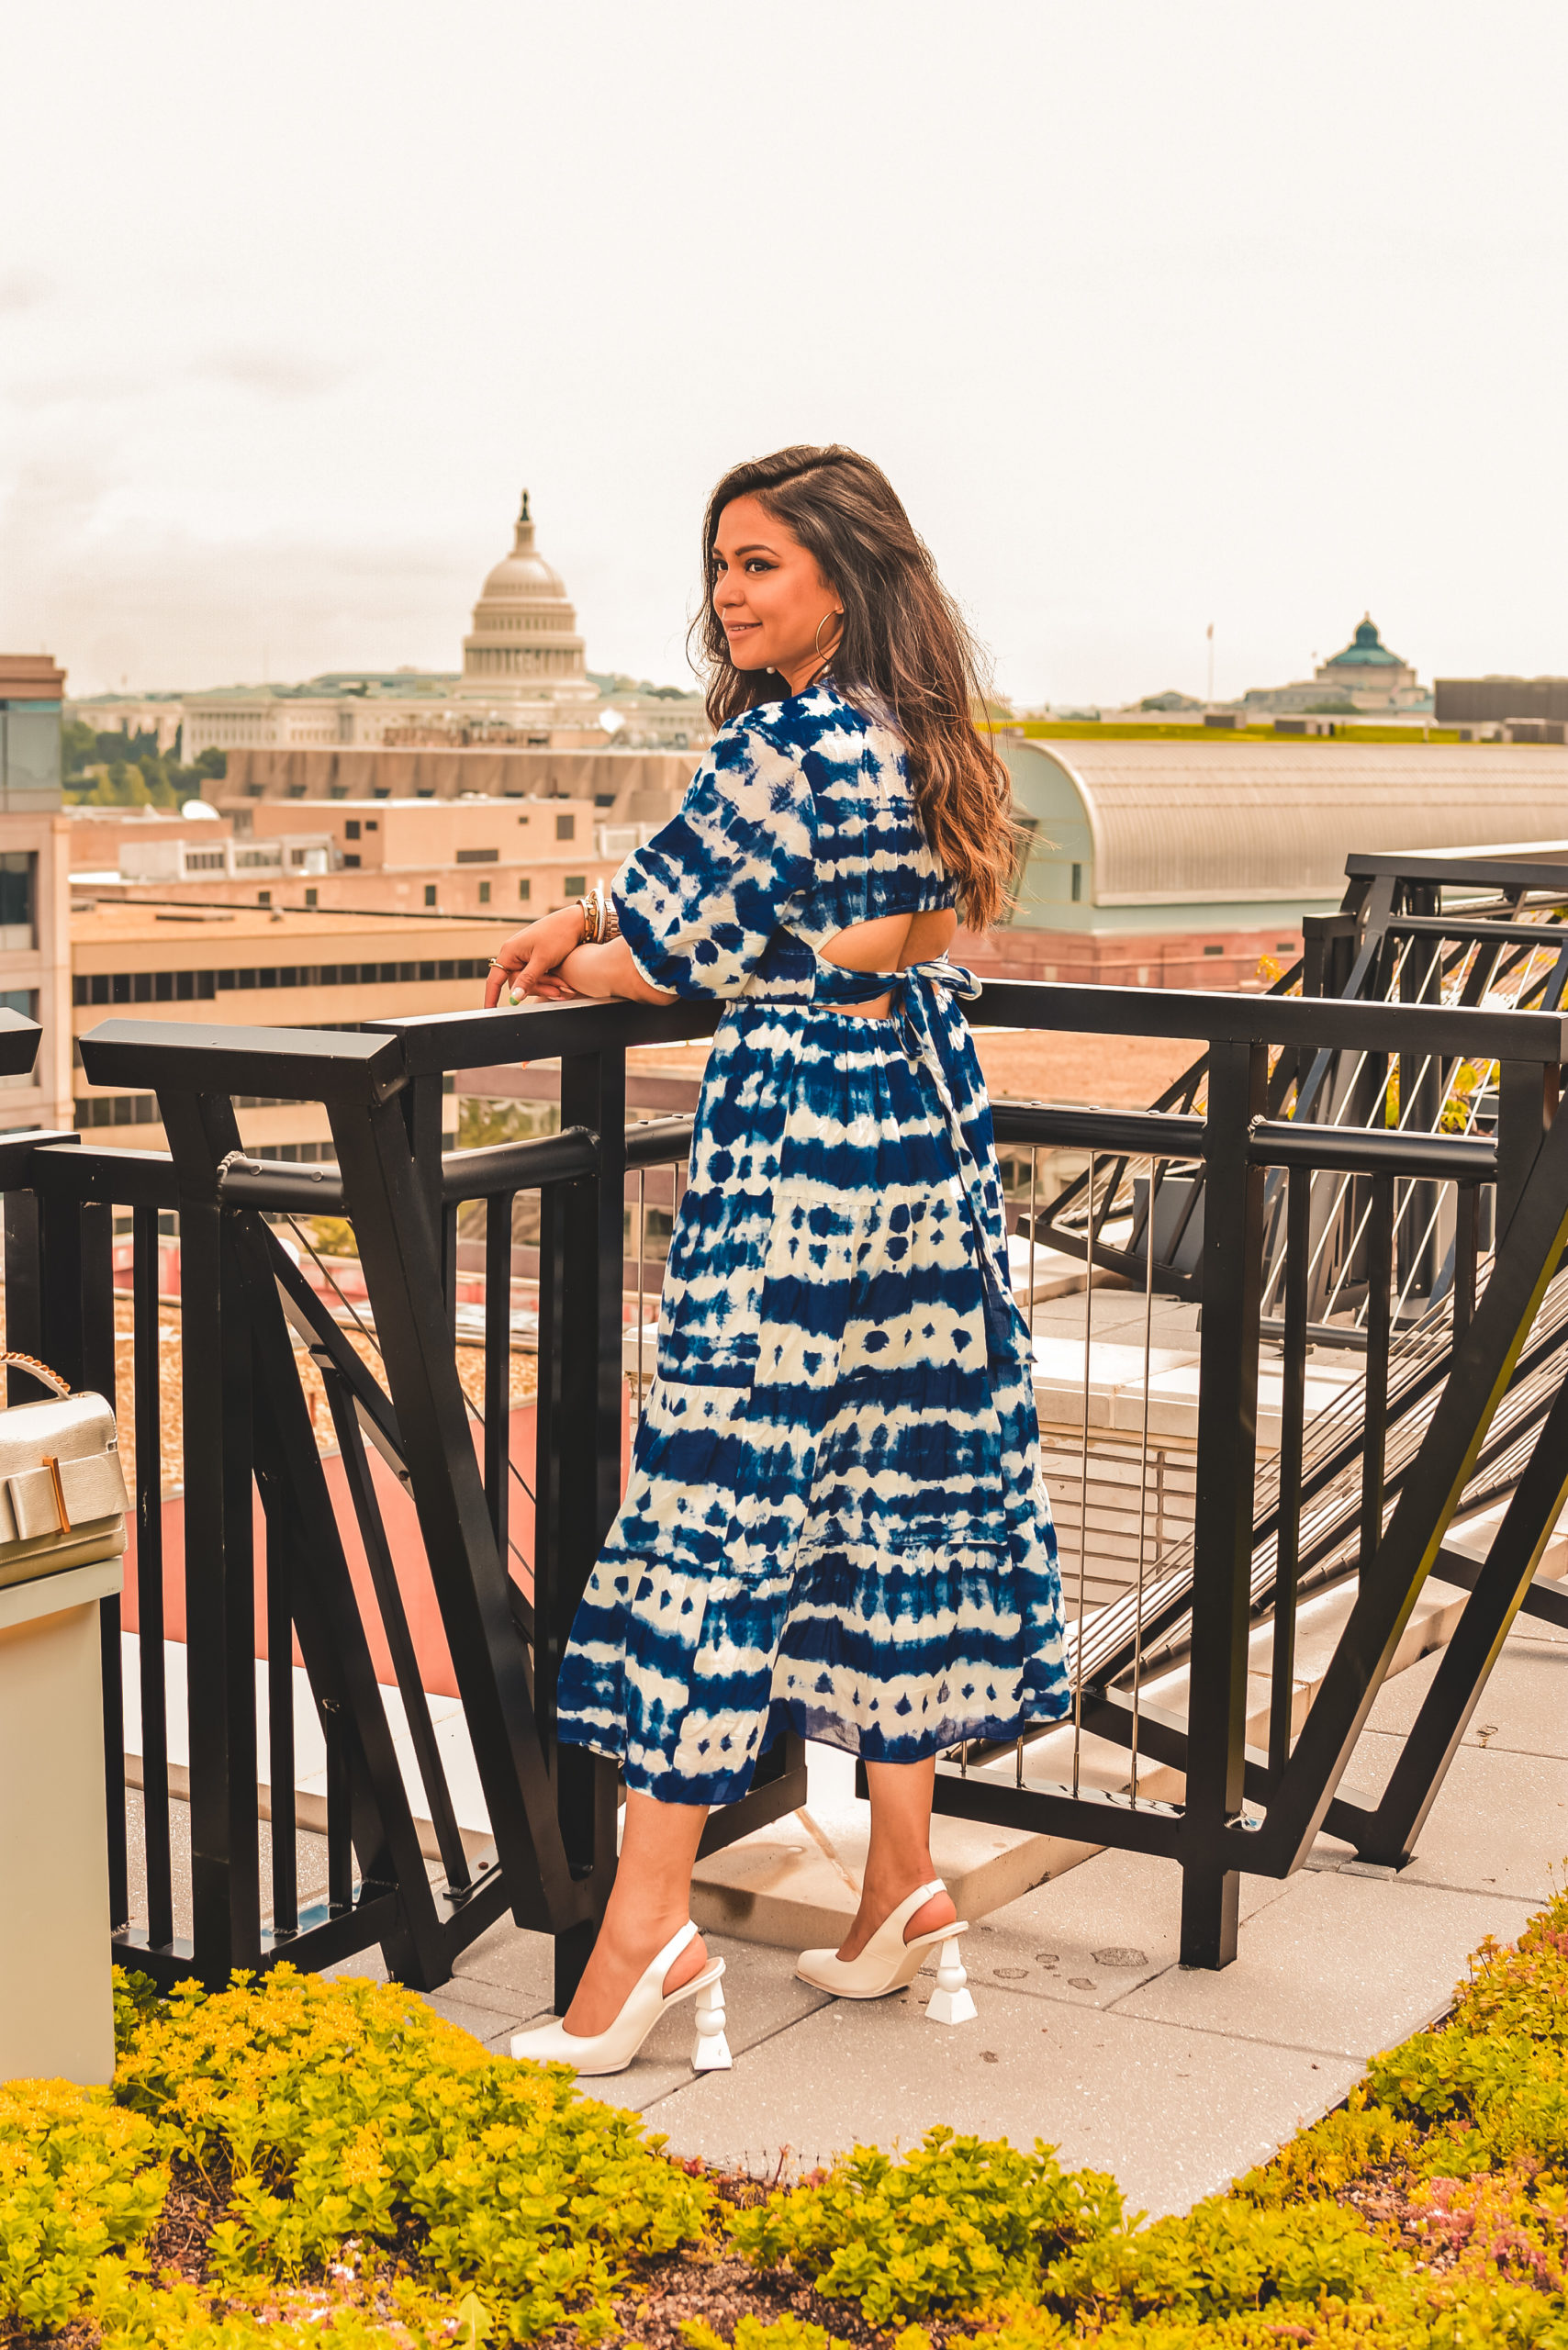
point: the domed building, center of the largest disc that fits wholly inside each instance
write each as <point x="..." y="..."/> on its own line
<point x="1365" y="677"/>
<point x="523" y="659"/>
<point x="1366" y="673"/>
<point x="524" y="681"/>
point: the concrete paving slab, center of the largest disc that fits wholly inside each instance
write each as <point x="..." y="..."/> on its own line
<point x="878" y="2073"/>
<point x="1499" y="1827"/>
<point x="510" y="1960"/>
<point x="763" y="1997"/>
<point x="1093" y="1936"/>
<point x="1343" y="1964"/>
<point x="482" y="2023"/>
<point x="1523" y="1708"/>
<point x="508" y="2007"/>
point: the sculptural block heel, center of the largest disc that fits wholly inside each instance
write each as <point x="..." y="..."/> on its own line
<point x="595" y="2053"/>
<point x="712" y="2053"/>
<point x="951" y="2002"/>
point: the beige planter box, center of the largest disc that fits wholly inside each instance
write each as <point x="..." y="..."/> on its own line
<point x="56" y="2010"/>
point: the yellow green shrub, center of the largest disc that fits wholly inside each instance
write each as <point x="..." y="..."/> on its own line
<point x="954" y="2224"/>
<point x="79" y="2178"/>
<point x="346" y="2108"/>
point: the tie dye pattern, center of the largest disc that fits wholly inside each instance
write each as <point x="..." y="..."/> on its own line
<point x="834" y="1518"/>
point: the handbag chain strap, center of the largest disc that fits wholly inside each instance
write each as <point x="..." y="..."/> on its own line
<point x="39" y="1370"/>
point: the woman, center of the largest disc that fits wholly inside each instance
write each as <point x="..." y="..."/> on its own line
<point x="834" y="1519"/>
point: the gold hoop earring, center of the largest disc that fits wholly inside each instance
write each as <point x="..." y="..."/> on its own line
<point x="817" y="640"/>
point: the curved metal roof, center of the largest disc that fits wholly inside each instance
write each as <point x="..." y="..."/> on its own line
<point x="1174" y="822"/>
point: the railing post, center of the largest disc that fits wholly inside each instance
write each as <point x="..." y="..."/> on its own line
<point x="1526" y="1101"/>
<point x="586" y="1472"/>
<point x="1228" y="1416"/>
<point x="98" y="1375"/>
<point x="423" y="1104"/>
<point x="219" y="1545"/>
<point x="147" y="1399"/>
<point x="24" y="1290"/>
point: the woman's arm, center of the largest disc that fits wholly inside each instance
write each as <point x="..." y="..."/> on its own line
<point x="549" y="961"/>
<point x="609" y="970"/>
<point x="697" y="903"/>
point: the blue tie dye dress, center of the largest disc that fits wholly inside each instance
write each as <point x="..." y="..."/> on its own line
<point x="834" y="1518"/>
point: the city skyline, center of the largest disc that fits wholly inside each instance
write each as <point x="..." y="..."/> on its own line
<point x="1156" y="317"/>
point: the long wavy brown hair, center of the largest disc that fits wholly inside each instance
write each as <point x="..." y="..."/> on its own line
<point x="903" y="642"/>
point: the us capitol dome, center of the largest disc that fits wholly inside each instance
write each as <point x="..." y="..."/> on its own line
<point x="523" y="650"/>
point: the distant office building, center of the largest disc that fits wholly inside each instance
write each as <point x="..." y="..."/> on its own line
<point x="1183" y="863"/>
<point x="256" y="967"/>
<point x="653" y="718"/>
<point x="1363" y="675"/>
<point x="1502" y="701"/>
<point x="35" y="955"/>
<point x="624" y="787"/>
<point x="159" y="716"/>
<point x="345" y="706"/>
<point x="499" y="861"/>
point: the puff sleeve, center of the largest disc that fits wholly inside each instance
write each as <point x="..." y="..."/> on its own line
<point x="699" y="903"/>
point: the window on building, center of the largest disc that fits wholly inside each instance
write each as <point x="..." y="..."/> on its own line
<point x="526" y="889"/>
<point x="429" y="893"/>
<point x="1213" y="950"/>
<point x="382" y="791"/>
<point x="296" y="791"/>
<point x="18" y="911"/>
<point x="574" y="884"/>
<point x="373" y="823"/>
<point x="337" y="791"/>
<point x="350" y="828"/>
<point x="311" y="896"/>
<point x="565" y="828"/>
<point x="1077" y="883"/>
<point x="263" y="897"/>
<point x="351" y="859"/>
<point x="29" y="748"/>
<point x="483" y="893"/>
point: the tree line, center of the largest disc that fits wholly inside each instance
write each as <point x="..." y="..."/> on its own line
<point x="119" y="769"/>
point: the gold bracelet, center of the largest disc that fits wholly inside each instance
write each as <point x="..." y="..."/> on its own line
<point x="589" y="912"/>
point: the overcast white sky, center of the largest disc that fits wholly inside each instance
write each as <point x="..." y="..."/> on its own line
<point x="1157" y="311"/>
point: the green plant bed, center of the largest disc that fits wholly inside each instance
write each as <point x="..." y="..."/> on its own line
<point x="294" y="2161"/>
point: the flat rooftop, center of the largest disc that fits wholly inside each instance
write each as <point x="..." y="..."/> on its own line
<point x="114" y="924"/>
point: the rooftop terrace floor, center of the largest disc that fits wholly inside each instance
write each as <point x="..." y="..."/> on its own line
<point x="1089" y="2034"/>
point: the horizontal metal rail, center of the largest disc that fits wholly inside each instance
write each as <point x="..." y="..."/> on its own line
<point x="1319" y="1023"/>
<point x="519" y="1166"/>
<point x="1460" y="869"/>
<point x="658" y="1142"/>
<point x="1476" y="929"/>
<point x="1372" y="1150"/>
<point x="443" y="1041"/>
<point x="1147" y="1132"/>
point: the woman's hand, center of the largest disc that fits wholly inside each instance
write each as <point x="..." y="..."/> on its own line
<point x="531" y="958"/>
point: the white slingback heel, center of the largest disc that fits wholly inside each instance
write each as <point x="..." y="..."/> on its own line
<point x="612" y="2051"/>
<point x="887" y="1963"/>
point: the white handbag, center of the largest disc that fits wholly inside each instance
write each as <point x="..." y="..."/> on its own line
<point x="62" y="1497"/>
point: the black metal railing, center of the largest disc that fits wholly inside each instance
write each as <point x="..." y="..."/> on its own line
<point x="1460" y="1407"/>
